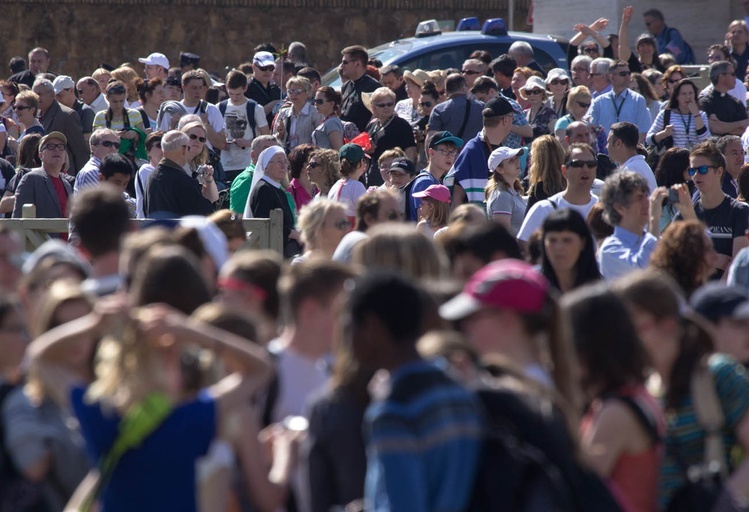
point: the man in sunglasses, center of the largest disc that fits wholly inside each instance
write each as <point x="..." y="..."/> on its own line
<point x="353" y="71"/>
<point x="622" y="146"/>
<point x="726" y="219"/>
<point x="261" y="88"/>
<point x="103" y="142"/>
<point x="580" y="171"/>
<point x="65" y="94"/>
<point x="44" y="187"/>
<point x="621" y="103"/>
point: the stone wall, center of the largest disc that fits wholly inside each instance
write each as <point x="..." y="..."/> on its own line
<point x="82" y="33"/>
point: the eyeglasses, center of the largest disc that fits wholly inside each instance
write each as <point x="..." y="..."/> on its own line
<point x="533" y="92"/>
<point x="580" y="70"/>
<point x="344" y="62"/>
<point x="197" y="137"/>
<point x="295" y="91"/>
<point x="109" y="144"/>
<point x="596" y="74"/>
<point x="702" y="169"/>
<point x="559" y="82"/>
<point x="447" y="152"/>
<point x="55" y="147"/>
<point x="578" y="164"/>
<point x="384" y="105"/>
<point x="269" y="67"/>
<point x="470" y="72"/>
<point x="318" y="101"/>
<point x="342" y="225"/>
<point x="590" y="49"/>
<point x="583" y="105"/>
<point x="18" y="107"/>
<point x="312" y="165"/>
<point x="426" y="103"/>
<point x="622" y="73"/>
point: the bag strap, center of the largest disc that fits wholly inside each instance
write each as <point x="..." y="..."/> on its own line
<point x="140" y="422"/>
<point x="644" y="416"/>
<point x="709" y="416"/>
<point x="465" y="118"/>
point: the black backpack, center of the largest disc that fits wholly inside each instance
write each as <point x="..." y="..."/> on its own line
<point x="528" y="460"/>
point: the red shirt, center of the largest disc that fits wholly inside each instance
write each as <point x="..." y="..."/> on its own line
<point x="62" y="195"/>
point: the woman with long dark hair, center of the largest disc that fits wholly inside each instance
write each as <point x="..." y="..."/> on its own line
<point x="618" y="444"/>
<point x="681" y="119"/>
<point x="568" y="258"/>
<point x="681" y="350"/>
<point x="672" y="170"/>
<point x="329" y="133"/>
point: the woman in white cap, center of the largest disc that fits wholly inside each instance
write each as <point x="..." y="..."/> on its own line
<point x="504" y="193"/>
<point x="558" y="83"/>
<point x="539" y="115"/>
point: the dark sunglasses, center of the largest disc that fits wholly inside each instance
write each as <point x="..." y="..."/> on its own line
<point x="590" y="49"/>
<point x="20" y="107"/>
<point x="425" y="103"/>
<point x="702" y="169"/>
<point x="196" y="137"/>
<point x="533" y="91"/>
<point x="583" y="105"/>
<point x="622" y="73"/>
<point x="312" y="165"/>
<point x="384" y="105"/>
<point x="269" y="67"/>
<point x="110" y="144"/>
<point x="559" y="82"/>
<point x="470" y="72"/>
<point x="318" y="101"/>
<point x="578" y="164"/>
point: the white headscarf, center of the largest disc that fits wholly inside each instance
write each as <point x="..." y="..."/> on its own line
<point x="262" y="162"/>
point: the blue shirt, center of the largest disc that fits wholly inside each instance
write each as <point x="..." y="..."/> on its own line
<point x="422" y="182"/>
<point x="624" y="251"/>
<point x="513" y="140"/>
<point x="670" y="41"/>
<point x="628" y="106"/>
<point x="422" y="443"/>
<point x="88" y="176"/>
<point x="160" y="475"/>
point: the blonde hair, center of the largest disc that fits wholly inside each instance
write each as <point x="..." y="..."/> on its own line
<point x="547" y="158"/>
<point x="312" y="216"/>
<point x="382" y="92"/>
<point x="302" y="82"/>
<point x="129" y="77"/>
<point x="202" y="157"/>
<point x="403" y="248"/>
<point x="327" y="159"/>
<point x="576" y="94"/>
<point x="59" y="294"/>
<point x="440" y="213"/>
<point x="391" y="153"/>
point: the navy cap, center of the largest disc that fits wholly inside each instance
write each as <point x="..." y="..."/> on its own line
<point x="716" y="300"/>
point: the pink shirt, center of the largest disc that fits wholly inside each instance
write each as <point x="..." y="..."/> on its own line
<point x="299" y="193"/>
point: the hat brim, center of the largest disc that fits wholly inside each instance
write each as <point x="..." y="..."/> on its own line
<point x="460" y="307"/>
<point x="143" y="60"/>
<point x="455" y="140"/>
<point x="522" y="92"/>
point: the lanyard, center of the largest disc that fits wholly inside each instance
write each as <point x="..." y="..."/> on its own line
<point x="687" y="125"/>
<point x="618" y="108"/>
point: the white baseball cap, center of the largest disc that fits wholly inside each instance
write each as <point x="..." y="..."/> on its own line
<point x="155" y="59"/>
<point x="263" y="59"/>
<point x="63" y="82"/>
<point x="499" y="155"/>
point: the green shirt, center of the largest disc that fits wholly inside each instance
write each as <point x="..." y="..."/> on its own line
<point x="240" y="189"/>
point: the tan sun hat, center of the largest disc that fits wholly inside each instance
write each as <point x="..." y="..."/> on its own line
<point x="418" y="75"/>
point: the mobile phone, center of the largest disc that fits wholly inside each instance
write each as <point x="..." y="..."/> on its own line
<point x="673" y="196"/>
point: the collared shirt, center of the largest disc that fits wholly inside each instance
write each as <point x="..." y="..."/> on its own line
<point x="100" y="103"/>
<point x="88" y="176"/>
<point x="297" y="128"/>
<point x="628" y="105"/>
<point x="514" y="140"/>
<point x="299" y="193"/>
<point x="624" y="251"/>
<point x="638" y="164"/>
<point x="596" y="94"/>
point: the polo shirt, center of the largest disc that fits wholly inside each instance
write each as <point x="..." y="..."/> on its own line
<point x="624" y="251"/>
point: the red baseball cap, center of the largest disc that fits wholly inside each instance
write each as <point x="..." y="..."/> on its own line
<point x="437" y="192"/>
<point x="504" y="284"/>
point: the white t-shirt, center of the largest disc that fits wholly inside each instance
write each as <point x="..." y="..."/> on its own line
<point x="347" y="192"/>
<point x="214" y="118"/>
<point x="299" y="377"/>
<point x="543" y="209"/>
<point x="234" y="158"/>
<point x="141" y="180"/>
<point x="638" y="164"/>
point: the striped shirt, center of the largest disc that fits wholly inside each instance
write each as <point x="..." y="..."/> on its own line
<point x="88" y="176"/>
<point x="684" y="433"/>
<point x="422" y="443"/>
<point x="685" y="132"/>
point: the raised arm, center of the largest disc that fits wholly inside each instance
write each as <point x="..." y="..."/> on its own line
<point x="624" y="52"/>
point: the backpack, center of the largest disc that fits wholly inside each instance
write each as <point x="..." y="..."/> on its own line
<point x="528" y="462"/>
<point x="656" y="151"/>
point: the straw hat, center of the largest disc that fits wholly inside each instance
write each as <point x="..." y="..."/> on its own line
<point x="418" y="75"/>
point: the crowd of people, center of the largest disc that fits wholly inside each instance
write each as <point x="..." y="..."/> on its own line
<point x="502" y="287"/>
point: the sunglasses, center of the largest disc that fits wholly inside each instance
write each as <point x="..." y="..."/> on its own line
<point x="318" y="101"/>
<point x="578" y="164"/>
<point x="197" y="137"/>
<point x="470" y="72"/>
<point x="702" y="169"/>
<point x="622" y="73"/>
<point x="384" y="105"/>
<point x="20" y="107"/>
<point x="426" y="103"/>
<point x="590" y="50"/>
<point x="312" y="165"/>
<point x="110" y="144"/>
<point x="533" y="92"/>
<point x="342" y="225"/>
<point x="269" y="67"/>
<point x="559" y="82"/>
<point x="583" y="105"/>
<point x="295" y="91"/>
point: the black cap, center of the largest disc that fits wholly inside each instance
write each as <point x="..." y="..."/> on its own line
<point x="497" y="107"/>
<point x="186" y="58"/>
<point x="173" y="81"/>
<point x="444" y="137"/>
<point x="403" y="164"/>
<point x="716" y="300"/>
